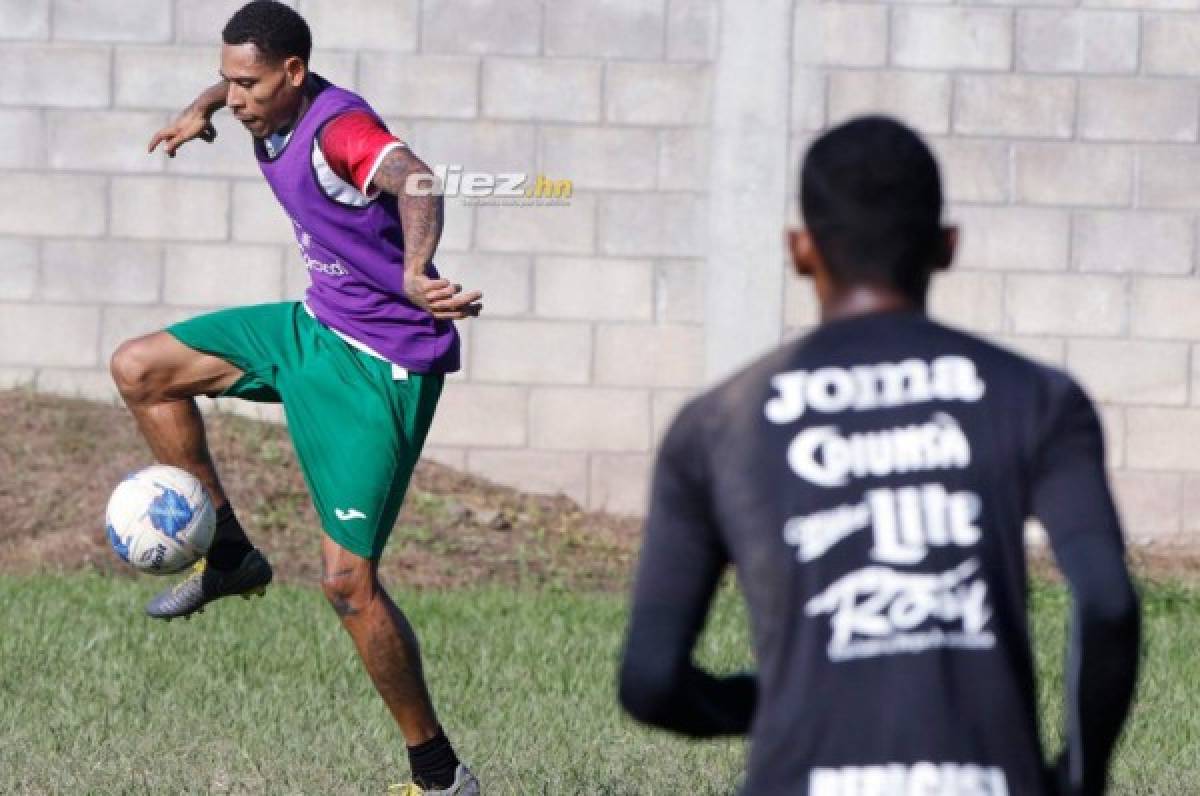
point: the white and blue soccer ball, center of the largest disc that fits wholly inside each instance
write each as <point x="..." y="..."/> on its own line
<point x="160" y="519"/>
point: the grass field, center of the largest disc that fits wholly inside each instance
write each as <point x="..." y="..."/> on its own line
<point x="267" y="696"/>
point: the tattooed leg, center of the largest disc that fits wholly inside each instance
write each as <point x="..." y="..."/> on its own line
<point x="384" y="639"/>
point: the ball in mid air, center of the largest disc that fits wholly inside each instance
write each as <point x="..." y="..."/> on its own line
<point x="160" y="519"/>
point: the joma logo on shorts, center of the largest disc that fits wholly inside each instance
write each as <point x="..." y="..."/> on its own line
<point x="345" y="515"/>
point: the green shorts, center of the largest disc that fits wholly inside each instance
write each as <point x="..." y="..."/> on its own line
<point x="357" y="424"/>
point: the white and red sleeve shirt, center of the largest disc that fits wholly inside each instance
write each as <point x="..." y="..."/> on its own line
<point x="348" y="154"/>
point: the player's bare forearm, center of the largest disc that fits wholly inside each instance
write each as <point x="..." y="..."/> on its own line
<point x="211" y="100"/>
<point x="403" y="175"/>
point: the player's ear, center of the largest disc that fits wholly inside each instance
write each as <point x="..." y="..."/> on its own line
<point x="947" y="246"/>
<point x="803" y="251"/>
<point x="296" y="71"/>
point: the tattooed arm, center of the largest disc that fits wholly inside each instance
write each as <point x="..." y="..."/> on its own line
<point x="403" y="175"/>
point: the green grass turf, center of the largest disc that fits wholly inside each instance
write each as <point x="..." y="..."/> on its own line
<point x="268" y="697"/>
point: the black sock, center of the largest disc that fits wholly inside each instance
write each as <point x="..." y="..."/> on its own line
<point x="433" y="763"/>
<point x="230" y="544"/>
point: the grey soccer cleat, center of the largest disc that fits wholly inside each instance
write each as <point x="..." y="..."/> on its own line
<point x="465" y="784"/>
<point x="206" y="584"/>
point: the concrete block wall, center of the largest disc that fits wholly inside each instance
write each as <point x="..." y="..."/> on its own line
<point x="1066" y="130"/>
<point x="592" y="332"/>
<point x="1067" y="133"/>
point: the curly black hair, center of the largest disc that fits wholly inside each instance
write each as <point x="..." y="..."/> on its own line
<point x="274" y="28"/>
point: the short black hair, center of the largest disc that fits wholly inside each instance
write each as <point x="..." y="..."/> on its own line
<point x="871" y="196"/>
<point x="274" y="28"/>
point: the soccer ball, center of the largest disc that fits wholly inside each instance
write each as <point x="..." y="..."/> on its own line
<point x="160" y="519"/>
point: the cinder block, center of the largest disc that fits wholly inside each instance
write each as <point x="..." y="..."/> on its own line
<point x="25" y="19"/>
<point x="649" y="355"/>
<point x="841" y="34"/>
<point x="103" y="140"/>
<point x="48" y="335"/>
<point x="440" y="86"/>
<point x="222" y="274"/>
<point x="655" y="93"/>
<point x="1014" y="105"/>
<point x="163" y="77"/>
<point x="18" y="268"/>
<point x="601" y="157"/>
<point x="528" y="89"/>
<point x="458" y="226"/>
<point x="492" y="27"/>
<point x="683" y="160"/>
<point x="1112" y="419"/>
<point x="679" y="291"/>
<point x="605" y="29"/>
<point x="1165" y="308"/>
<point x="1169" y="177"/>
<point x="541" y="472"/>
<point x="692" y="30"/>
<point x="231" y="155"/>
<point x="658" y="224"/>
<point x="1117" y="109"/>
<point x="363" y="24"/>
<point x="920" y="99"/>
<point x="257" y="215"/>
<point x="810" y="95"/>
<point x="201" y="21"/>
<point x="531" y="352"/>
<point x="1066" y="304"/>
<point x="60" y="76"/>
<point x="1155" y="436"/>
<point x="296" y="279"/>
<point x="17" y="378"/>
<point x="952" y="38"/>
<point x="1191" y="507"/>
<point x="972" y="300"/>
<point x="22" y="138"/>
<point x="1150" y="505"/>
<point x="172" y="208"/>
<point x="800" y="308"/>
<point x="481" y="415"/>
<point x="1013" y="238"/>
<point x="108" y="271"/>
<point x="121" y="323"/>
<point x="1047" y="350"/>
<point x="1170" y="43"/>
<point x="1137" y="242"/>
<point x="1067" y="40"/>
<point x="1132" y="372"/>
<point x="454" y="458"/>
<point x="594" y="289"/>
<point x="664" y="406"/>
<point x="620" y="483"/>
<point x="112" y="20"/>
<point x="1073" y="174"/>
<point x="558" y="229"/>
<point x="340" y="67"/>
<point x="92" y="384"/>
<point x="974" y="170"/>
<point x="609" y="420"/>
<point x="505" y="279"/>
<point x="53" y="205"/>
<point x="479" y="146"/>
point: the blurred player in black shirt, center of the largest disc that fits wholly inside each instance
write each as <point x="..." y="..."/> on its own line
<point x="870" y="485"/>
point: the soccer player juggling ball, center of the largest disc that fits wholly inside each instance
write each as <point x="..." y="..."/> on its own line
<point x="870" y="484"/>
<point x="358" y="364"/>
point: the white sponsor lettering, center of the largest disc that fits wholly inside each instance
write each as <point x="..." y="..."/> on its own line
<point x="917" y="779"/>
<point x="882" y="386"/>
<point x="822" y="456"/>
<point x="878" y="611"/>
<point x="905" y="521"/>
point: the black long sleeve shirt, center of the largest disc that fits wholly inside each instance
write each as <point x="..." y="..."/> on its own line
<point x="870" y="483"/>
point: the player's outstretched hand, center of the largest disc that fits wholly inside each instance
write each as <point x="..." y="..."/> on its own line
<point x="190" y="124"/>
<point x="442" y="298"/>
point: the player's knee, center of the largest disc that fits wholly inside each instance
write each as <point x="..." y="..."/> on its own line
<point x="132" y="368"/>
<point x="348" y="589"/>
